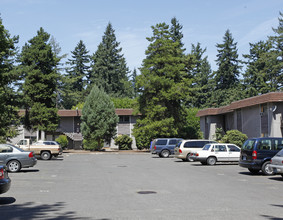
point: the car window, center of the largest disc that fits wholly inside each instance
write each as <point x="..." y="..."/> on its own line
<point x="193" y="144"/>
<point x="220" y="148"/>
<point x="206" y="147"/>
<point x="173" y="142"/>
<point x="161" y="142"/>
<point x="5" y="149"/>
<point x="233" y="148"/>
<point x="278" y="144"/>
<point x="248" y="145"/>
<point x="264" y="144"/>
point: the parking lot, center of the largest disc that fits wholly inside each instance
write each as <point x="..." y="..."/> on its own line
<point x="139" y="186"/>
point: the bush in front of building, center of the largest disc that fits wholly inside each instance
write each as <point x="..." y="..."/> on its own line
<point x="124" y="142"/>
<point x="63" y="141"/>
<point x="91" y="145"/>
<point x="234" y="137"/>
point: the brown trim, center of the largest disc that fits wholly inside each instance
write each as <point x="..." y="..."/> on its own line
<point x="256" y="100"/>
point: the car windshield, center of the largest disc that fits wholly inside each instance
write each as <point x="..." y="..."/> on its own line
<point x="206" y="147"/>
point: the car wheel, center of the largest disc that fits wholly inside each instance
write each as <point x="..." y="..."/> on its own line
<point x="188" y="158"/>
<point x="266" y="169"/>
<point x="14" y="166"/>
<point x="253" y="171"/>
<point x="211" y="161"/>
<point x="165" y="153"/>
<point x="45" y="155"/>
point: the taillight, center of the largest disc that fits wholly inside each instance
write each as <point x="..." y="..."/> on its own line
<point x="180" y="151"/>
<point x="254" y="155"/>
<point x="1" y="173"/>
<point x="154" y="147"/>
<point x="30" y="154"/>
<point x="197" y="154"/>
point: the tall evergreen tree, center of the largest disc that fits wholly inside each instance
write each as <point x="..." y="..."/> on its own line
<point x="75" y="81"/>
<point x="8" y="98"/>
<point x="227" y="86"/>
<point x="202" y="78"/>
<point x="275" y="72"/>
<point x="163" y="85"/>
<point x="38" y="64"/>
<point x="176" y="32"/>
<point x="99" y="120"/>
<point x="227" y="75"/>
<point x="255" y="77"/>
<point x="109" y="70"/>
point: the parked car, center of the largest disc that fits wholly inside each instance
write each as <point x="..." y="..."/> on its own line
<point x="15" y="158"/>
<point x="256" y="154"/>
<point x="277" y="163"/>
<point x="184" y="148"/>
<point x="45" y="149"/>
<point x="164" y="147"/>
<point x="212" y="153"/>
<point x="5" y="181"/>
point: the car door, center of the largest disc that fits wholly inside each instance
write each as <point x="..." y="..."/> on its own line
<point x="234" y="152"/>
<point x="221" y="152"/>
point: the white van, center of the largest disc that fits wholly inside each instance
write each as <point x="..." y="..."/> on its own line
<point x="185" y="147"/>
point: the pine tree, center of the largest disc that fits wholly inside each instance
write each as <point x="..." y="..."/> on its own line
<point x="38" y="64"/>
<point x="163" y="85"/>
<point x="99" y="120"/>
<point x="134" y="82"/>
<point x="75" y="80"/>
<point x="255" y="77"/>
<point x="8" y="97"/>
<point x="202" y="78"/>
<point x="226" y="79"/>
<point x="109" y="70"/>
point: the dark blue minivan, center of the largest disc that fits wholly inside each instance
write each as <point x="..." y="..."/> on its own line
<point x="256" y="154"/>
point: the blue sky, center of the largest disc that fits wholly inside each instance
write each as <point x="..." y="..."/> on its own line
<point x="203" y="21"/>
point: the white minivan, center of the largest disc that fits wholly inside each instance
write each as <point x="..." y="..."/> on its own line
<point x="185" y="147"/>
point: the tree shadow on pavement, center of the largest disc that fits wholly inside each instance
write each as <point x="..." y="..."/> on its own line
<point x="31" y="210"/>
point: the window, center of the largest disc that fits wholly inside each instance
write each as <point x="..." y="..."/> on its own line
<point x="5" y="149"/>
<point x="278" y="144"/>
<point x="206" y="147"/>
<point x="220" y="148"/>
<point x="248" y="145"/>
<point x="233" y="148"/>
<point x="195" y="144"/>
<point x="124" y="118"/>
<point x="161" y="142"/>
<point x="23" y="142"/>
<point x="173" y="142"/>
<point x="264" y="144"/>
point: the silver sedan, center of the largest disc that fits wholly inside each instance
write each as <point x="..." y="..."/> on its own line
<point x="277" y="163"/>
<point x="16" y="158"/>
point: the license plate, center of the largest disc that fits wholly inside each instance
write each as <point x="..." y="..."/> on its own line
<point x="244" y="158"/>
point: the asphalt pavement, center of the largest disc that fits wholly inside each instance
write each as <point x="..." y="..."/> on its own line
<point x="138" y="185"/>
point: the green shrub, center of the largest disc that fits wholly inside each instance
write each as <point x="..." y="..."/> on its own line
<point x="234" y="137"/>
<point x="124" y="142"/>
<point x="91" y="145"/>
<point x="63" y="141"/>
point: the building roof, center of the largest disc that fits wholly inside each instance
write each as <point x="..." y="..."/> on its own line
<point x="256" y="100"/>
<point x="73" y="113"/>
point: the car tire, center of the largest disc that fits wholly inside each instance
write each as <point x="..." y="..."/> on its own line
<point x="45" y="155"/>
<point x="266" y="169"/>
<point x="211" y="161"/>
<point x="253" y="171"/>
<point x="165" y="153"/>
<point x="14" y="166"/>
<point x="188" y="158"/>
